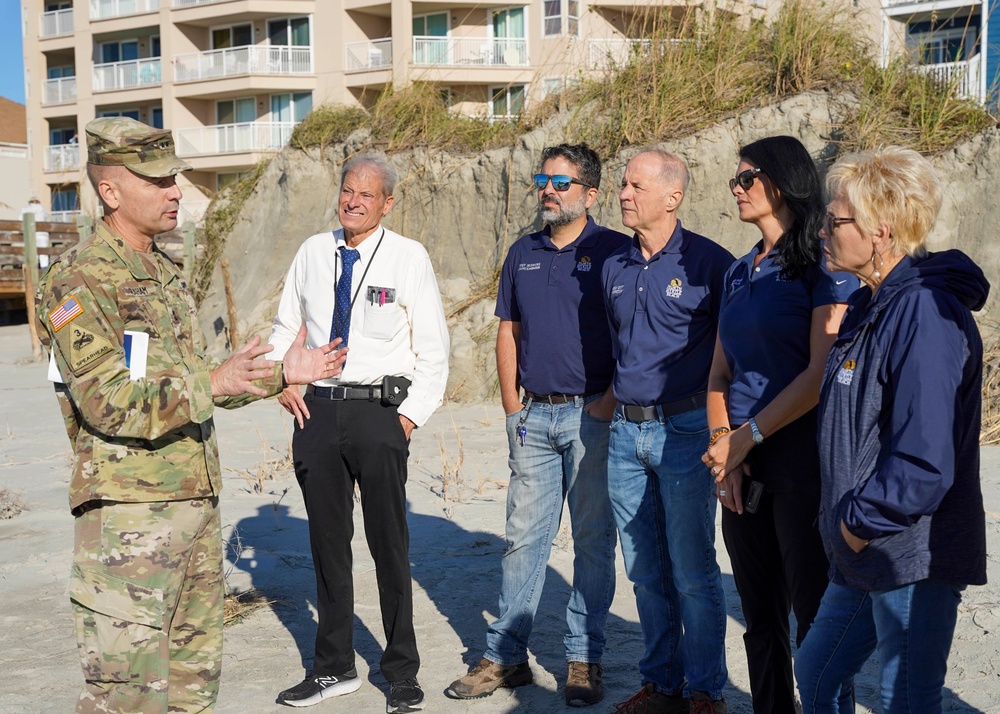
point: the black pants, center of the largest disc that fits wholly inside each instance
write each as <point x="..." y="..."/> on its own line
<point x="342" y="443"/>
<point x="778" y="560"/>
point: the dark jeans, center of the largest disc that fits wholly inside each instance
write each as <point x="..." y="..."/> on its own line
<point x="346" y="442"/>
<point x="778" y="560"/>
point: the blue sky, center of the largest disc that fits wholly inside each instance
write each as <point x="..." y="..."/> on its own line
<point x="11" y="57"/>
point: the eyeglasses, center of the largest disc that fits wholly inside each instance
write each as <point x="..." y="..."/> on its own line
<point x="744" y="179"/>
<point x="831" y="221"/>
<point x="560" y="182"/>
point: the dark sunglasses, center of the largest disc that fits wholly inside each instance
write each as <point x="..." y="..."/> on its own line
<point x="560" y="182"/>
<point x="744" y="179"/>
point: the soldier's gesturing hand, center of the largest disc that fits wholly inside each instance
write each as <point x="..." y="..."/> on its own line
<point x="302" y="366"/>
<point x="236" y="375"/>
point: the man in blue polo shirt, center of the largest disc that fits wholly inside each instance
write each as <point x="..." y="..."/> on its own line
<point x="663" y="294"/>
<point x="553" y="340"/>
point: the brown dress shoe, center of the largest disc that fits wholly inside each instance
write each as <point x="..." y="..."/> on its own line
<point x="584" y="684"/>
<point x="487" y="677"/>
<point x="701" y="703"/>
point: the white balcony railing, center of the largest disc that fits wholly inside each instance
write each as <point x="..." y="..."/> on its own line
<point x="367" y="55"/>
<point x="102" y="9"/>
<point x="112" y="76"/>
<point x="963" y="75"/>
<point x="62" y="157"/>
<point x="619" y="51"/>
<point x="63" y="216"/>
<point x="232" y="62"/>
<point x="190" y="3"/>
<point x="233" y="138"/>
<point x="466" y="51"/>
<point x="55" y="22"/>
<point x="59" y="90"/>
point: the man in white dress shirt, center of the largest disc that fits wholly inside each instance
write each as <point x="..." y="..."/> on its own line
<point x="376" y="290"/>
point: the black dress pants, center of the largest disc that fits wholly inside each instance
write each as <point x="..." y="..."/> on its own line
<point x="778" y="559"/>
<point x="342" y="443"/>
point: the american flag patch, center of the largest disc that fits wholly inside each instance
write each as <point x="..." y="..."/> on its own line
<point x="63" y="314"/>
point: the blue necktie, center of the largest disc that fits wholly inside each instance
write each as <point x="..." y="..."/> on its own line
<point x="341" y="326"/>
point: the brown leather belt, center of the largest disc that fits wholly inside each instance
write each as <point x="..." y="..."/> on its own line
<point x="657" y="412"/>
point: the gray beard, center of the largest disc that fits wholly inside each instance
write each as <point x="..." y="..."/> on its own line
<point x="562" y="215"/>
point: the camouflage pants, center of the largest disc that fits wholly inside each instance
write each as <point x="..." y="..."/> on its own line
<point x="147" y="593"/>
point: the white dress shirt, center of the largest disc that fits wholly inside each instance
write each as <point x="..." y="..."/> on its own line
<point x="400" y="333"/>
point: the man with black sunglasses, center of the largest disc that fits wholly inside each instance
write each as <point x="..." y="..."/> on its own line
<point x="553" y="340"/>
<point x="663" y="294"/>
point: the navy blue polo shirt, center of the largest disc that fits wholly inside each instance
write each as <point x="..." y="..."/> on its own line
<point x="556" y="296"/>
<point x="664" y="314"/>
<point x="764" y="326"/>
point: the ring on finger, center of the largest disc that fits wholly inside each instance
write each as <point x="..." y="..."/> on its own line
<point x="715" y="470"/>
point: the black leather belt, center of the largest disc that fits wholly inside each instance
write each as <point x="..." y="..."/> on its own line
<point x="554" y="398"/>
<point x="664" y="411"/>
<point x="371" y="392"/>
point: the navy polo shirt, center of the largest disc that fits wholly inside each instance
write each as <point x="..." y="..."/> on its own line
<point x="556" y="296"/>
<point x="764" y="326"/>
<point x="664" y="314"/>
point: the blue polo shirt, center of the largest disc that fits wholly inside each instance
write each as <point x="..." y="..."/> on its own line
<point x="764" y="326"/>
<point x="556" y="296"/>
<point x="664" y="314"/>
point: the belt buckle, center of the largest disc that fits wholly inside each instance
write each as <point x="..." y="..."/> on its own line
<point x="339" y="393"/>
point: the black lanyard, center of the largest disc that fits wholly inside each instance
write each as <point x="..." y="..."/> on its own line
<point x="350" y="308"/>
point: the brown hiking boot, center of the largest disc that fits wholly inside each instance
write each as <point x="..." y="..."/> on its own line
<point x="584" y="684"/>
<point x="487" y="677"/>
<point x="649" y="701"/>
<point x="701" y="703"/>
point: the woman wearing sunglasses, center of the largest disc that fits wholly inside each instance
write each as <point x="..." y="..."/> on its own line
<point x="779" y="317"/>
<point x="902" y="507"/>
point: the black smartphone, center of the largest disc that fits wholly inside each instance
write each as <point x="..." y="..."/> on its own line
<point x="753" y="497"/>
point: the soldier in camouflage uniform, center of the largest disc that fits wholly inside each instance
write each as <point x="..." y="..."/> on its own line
<point x="146" y="584"/>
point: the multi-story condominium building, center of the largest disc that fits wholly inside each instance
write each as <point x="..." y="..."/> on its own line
<point x="958" y="41"/>
<point x="232" y="77"/>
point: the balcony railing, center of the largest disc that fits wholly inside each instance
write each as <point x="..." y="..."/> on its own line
<point x="112" y="76"/>
<point x="233" y="138"/>
<point x="62" y="157"/>
<point x="63" y="216"/>
<point x="466" y="51"/>
<point x="102" y="9"/>
<point x="232" y="62"/>
<point x="964" y="76"/>
<point x="190" y="3"/>
<point x="367" y="55"/>
<point x="59" y="90"/>
<point x="55" y="22"/>
<point x="619" y="51"/>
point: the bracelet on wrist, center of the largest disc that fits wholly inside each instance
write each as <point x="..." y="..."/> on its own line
<point x="716" y="434"/>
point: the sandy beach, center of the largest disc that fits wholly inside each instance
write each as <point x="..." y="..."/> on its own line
<point x="456" y="494"/>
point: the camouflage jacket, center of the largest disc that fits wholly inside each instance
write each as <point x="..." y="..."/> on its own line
<point x="148" y="439"/>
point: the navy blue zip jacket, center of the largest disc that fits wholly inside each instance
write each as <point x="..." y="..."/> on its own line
<point x="899" y="429"/>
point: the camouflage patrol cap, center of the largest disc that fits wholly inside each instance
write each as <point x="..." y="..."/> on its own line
<point x="121" y="141"/>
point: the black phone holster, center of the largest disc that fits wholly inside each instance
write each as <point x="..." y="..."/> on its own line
<point x="394" y="390"/>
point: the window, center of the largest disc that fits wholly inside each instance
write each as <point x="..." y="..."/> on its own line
<point x="509" y="44"/>
<point x="59" y="72"/>
<point x="289" y="32"/>
<point x="430" y="38"/>
<point x="130" y="113"/>
<point x="943" y="46"/>
<point x="506" y="102"/>
<point x="58" y="137"/>
<point x="561" y="17"/>
<point x="235" y="36"/>
<point x="66" y="198"/>
<point x="53" y="6"/>
<point x="154" y="46"/>
<point x="156" y="117"/>
<point x="235" y="111"/>
<point x="122" y="51"/>
<point x="291" y="107"/>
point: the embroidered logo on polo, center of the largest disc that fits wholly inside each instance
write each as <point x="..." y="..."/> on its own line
<point x="584" y="265"/>
<point x="675" y="288"/>
<point x="617" y="289"/>
<point x="735" y="284"/>
<point x="846" y="373"/>
<point x="529" y="266"/>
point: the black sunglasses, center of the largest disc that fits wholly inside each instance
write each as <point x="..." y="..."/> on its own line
<point x="744" y="179"/>
<point x="560" y="182"/>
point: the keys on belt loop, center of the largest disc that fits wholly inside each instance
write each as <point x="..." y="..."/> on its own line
<point x="521" y="430"/>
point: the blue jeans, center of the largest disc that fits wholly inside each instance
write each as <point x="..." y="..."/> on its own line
<point x="911" y="626"/>
<point x="664" y="505"/>
<point x="564" y="458"/>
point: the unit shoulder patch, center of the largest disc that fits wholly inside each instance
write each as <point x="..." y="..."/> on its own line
<point x="86" y="348"/>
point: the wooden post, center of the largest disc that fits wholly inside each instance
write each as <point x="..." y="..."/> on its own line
<point x="30" y="254"/>
<point x="84" y="227"/>
<point x="190" y="250"/>
<point x="234" y="334"/>
<point x="29" y="299"/>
